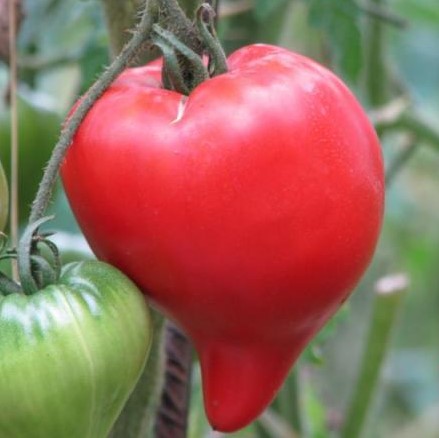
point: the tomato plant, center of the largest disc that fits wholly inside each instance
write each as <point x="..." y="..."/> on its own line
<point x="247" y="210"/>
<point x="71" y="353"/>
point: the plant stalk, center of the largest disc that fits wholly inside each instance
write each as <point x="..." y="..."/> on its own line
<point x="13" y="209"/>
<point x="387" y="302"/>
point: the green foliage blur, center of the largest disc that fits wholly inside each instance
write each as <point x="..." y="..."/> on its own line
<point x="387" y="52"/>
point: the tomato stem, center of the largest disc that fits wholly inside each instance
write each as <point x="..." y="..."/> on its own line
<point x="172" y="18"/>
<point x="185" y="71"/>
<point x="172" y="78"/>
<point x="29" y="278"/>
<point x="217" y="58"/>
<point x="184" y="68"/>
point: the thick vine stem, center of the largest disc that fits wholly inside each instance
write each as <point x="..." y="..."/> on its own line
<point x="142" y="33"/>
<point x="172" y="18"/>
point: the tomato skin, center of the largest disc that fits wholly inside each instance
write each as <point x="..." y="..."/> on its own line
<point x="247" y="211"/>
<point x="71" y="353"/>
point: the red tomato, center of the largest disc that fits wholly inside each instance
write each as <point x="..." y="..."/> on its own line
<point x="247" y="211"/>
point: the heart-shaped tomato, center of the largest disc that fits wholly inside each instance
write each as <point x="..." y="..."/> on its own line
<point x="247" y="210"/>
<point x="71" y="353"/>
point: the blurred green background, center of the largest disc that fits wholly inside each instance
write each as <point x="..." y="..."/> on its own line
<point x="387" y="52"/>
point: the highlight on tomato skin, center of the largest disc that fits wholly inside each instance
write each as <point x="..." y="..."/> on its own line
<point x="247" y="211"/>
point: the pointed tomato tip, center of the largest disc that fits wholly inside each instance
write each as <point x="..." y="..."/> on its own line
<point x="229" y="420"/>
<point x="239" y="382"/>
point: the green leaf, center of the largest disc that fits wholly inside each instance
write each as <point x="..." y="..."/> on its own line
<point x="339" y="21"/>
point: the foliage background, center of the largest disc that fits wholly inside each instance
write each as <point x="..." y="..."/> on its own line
<point x="385" y="51"/>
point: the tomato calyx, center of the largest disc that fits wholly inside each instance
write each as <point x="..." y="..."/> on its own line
<point x="217" y="58"/>
<point x="36" y="271"/>
<point x="184" y="69"/>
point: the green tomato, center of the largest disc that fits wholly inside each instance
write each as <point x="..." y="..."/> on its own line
<point x="3" y="198"/>
<point x="71" y="354"/>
